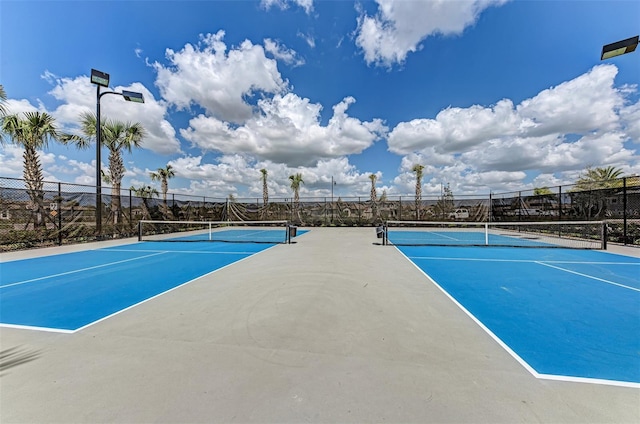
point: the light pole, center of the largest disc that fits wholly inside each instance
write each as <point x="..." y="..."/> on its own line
<point x="332" y="184"/>
<point x="101" y="79"/>
<point x="608" y="51"/>
<point x="619" y="48"/>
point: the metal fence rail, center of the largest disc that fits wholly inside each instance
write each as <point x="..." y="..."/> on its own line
<point x="64" y="213"/>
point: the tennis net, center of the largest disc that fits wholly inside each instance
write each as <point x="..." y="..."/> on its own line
<point x="563" y="234"/>
<point x="216" y="231"/>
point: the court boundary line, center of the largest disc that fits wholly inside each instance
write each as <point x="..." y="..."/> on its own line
<point x="36" y="328"/>
<point x="181" y="251"/>
<point x="510" y="351"/>
<point x="521" y="260"/>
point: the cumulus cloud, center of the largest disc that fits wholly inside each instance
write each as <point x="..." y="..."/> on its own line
<point x="240" y="175"/>
<point x="399" y="26"/>
<point x="565" y="128"/>
<point x="288" y="130"/>
<point x="18" y="107"/>
<point x="207" y="75"/>
<point x="630" y="118"/>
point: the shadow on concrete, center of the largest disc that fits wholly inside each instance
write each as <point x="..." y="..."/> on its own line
<point x="15" y="356"/>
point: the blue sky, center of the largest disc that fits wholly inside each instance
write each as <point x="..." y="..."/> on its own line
<point x="487" y="95"/>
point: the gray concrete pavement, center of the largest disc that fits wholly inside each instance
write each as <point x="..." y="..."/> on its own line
<point x="332" y="329"/>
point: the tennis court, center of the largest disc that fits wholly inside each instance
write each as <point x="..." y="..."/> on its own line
<point x="333" y="328"/>
<point x="571" y="314"/>
<point x="68" y="292"/>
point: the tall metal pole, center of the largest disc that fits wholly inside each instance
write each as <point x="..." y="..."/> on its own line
<point x="98" y="173"/>
<point x="332" y="199"/>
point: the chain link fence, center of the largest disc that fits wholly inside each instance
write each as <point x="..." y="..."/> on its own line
<point x="63" y="213"/>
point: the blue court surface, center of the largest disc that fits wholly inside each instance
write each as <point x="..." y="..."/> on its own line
<point x="70" y="291"/>
<point x="564" y="314"/>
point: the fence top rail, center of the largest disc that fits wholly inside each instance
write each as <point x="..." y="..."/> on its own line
<point x="529" y="192"/>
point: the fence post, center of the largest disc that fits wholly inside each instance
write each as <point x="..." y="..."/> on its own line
<point x="624" y="210"/>
<point x="560" y="203"/>
<point x="490" y="218"/>
<point x="519" y="206"/>
<point x="325" y="212"/>
<point x="59" y="214"/>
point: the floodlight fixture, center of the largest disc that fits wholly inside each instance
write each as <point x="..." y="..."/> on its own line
<point x="100" y="78"/>
<point x="133" y="96"/>
<point x="619" y="48"/>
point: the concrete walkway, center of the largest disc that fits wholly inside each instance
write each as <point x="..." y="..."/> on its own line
<point x="332" y="329"/>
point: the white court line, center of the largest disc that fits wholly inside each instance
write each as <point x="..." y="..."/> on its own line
<point x="441" y="258"/>
<point x="81" y="270"/>
<point x="31" y="327"/>
<point x="589" y="276"/>
<point x="182" y="251"/>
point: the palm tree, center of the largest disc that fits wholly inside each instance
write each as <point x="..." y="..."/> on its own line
<point x="265" y="189"/>
<point x="33" y="132"/>
<point x="296" y="180"/>
<point x="146" y="193"/>
<point x="163" y="175"/>
<point x="589" y="193"/>
<point x="3" y="100"/>
<point x="596" y="178"/>
<point x="116" y="136"/>
<point x="373" y="194"/>
<point x="3" y="109"/>
<point x="417" y="168"/>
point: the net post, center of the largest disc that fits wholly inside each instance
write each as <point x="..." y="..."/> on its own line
<point x="385" y="240"/>
<point x="210" y="232"/>
<point x="140" y="230"/>
<point x="486" y="234"/>
<point x="603" y="231"/>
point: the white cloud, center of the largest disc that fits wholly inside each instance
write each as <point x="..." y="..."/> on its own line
<point x="587" y="103"/>
<point x="11" y="160"/>
<point x="208" y="76"/>
<point x="308" y="38"/>
<point x="288" y="130"/>
<point x="18" y="107"/>
<point x="281" y="52"/>
<point x="630" y="117"/>
<point x="400" y="26"/>
<point x="561" y="130"/>
<point x="240" y="175"/>
<point x="307" y="5"/>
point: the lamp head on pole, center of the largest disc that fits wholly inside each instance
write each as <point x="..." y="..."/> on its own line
<point x="133" y="96"/>
<point x="619" y="48"/>
<point x="100" y="78"/>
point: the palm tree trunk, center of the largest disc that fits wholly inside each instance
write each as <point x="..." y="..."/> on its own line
<point x="165" y="188"/>
<point x="116" y="166"/>
<point x="418" y="197"/>
<point x="33" y="179"/>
